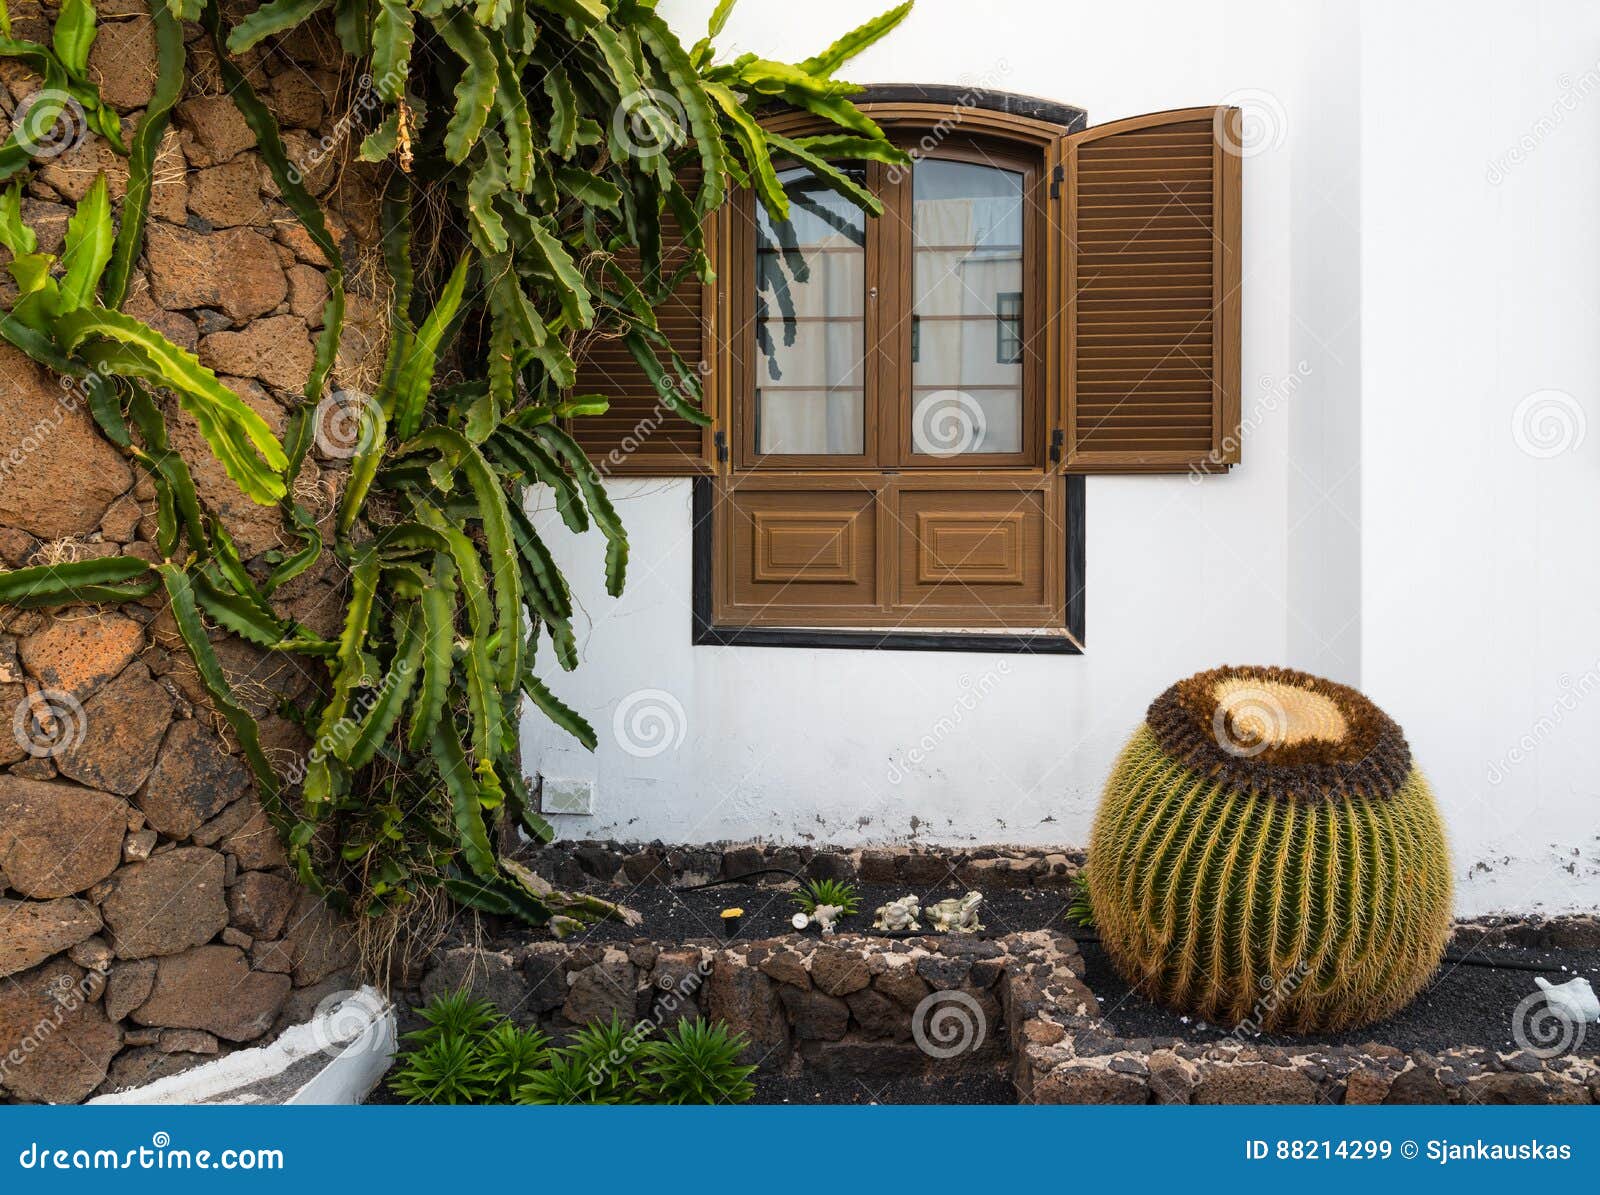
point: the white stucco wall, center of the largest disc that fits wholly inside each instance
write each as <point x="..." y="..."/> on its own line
<point x="1438" y="566"/>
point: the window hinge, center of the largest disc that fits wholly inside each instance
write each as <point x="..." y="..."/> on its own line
<point x="721" y="441"/>
<point x="1057" y="438"/>
<point x="1057" y="177"/>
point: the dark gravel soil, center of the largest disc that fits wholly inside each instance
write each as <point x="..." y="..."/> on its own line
<point x="1466" y="1004"/>
<point x="673" y="915"/>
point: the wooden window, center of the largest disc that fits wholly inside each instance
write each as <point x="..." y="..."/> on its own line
<point x="905" y="405"/>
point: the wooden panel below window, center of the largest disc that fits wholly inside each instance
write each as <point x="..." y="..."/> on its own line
<point x="891" y="550"/>
<point x="793" y="549"/>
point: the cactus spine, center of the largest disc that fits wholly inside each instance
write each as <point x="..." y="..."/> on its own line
<point x="1267" y="852"/>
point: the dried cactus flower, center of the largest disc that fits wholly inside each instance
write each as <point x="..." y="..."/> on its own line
<point x="1267" y="852"/>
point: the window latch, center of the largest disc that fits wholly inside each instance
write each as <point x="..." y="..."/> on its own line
<point x="720" y="440"/>
<point x="1057" y="438"/>
<point x="1057" y="177"/>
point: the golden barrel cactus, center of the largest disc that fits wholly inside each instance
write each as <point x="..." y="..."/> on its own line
<point x="1267" y="852"/>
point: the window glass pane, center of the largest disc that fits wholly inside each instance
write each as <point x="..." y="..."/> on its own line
<point x="810" y="329"/>
<point x="967" y="306"/>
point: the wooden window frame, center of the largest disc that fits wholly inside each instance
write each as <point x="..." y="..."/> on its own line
<point x="888" y="471"/>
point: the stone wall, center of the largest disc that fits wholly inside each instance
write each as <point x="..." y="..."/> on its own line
<point x="148" y="920"/>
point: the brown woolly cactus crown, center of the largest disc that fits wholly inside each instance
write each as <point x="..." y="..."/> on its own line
<point x="1266" y="851"/>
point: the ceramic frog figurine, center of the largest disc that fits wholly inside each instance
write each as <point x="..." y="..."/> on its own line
<point x="898" y="915"/>
<point x="957" y="915"/>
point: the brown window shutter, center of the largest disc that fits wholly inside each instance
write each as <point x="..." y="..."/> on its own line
<point x="1150" y="281"/>
<point x="639" y="435"/>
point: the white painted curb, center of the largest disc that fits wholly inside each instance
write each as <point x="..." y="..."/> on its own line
<point x="337" y="1057"/>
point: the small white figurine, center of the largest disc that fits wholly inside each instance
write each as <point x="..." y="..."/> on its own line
<point x="957" y="916"/>
<point x="898" y="915"/>
<point x="826" y="915"/>
<point x="1574" y="1000"/>
<point x="823" y="917"/>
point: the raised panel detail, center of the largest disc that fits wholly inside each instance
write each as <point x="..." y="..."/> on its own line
<point x="973" y="548"/>
<point x="975" y="555"/>
<point x="805" y="547"/>
<point x="799" y="557"/>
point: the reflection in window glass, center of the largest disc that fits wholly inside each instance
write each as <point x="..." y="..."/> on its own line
<point x="967" y="304"/>
<point x="810" y="327"/>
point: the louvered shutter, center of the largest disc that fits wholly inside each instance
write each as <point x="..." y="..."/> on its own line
<point x="1150" y="293"/>
<point x="639" y="435"/>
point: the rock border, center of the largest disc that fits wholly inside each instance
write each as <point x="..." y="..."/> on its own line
<point x="854" y="1005"/>
<point x="575" y="863"/>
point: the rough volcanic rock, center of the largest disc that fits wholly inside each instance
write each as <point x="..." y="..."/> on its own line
<point x="319" y="942"/>
<point x="128" y="986"/>
<point x="123" y="62"/>
<point x="786" y="966"/>
<point x="229" y="195"/>
<point x="143" y="1065"/>
<point x="60" y="473"/>
<point x="62" y="1038"/>
<point x="259" y="903"/>
<point x="172" y="902"/>
<point x="219" y="131"/>
<point x="675" y="987"/>
<point x="58" y="839"/>
<point x="194" y="780"/>
<point x="600" y="992"/>
<point x="277" y="350"/>
<point x="75" y="653"/>
<point x="748" y="1001"/>
<point x="256" y="843"/>
<point x="1089" y="1085"/>
<point x="31" y="931"/>
<point x="485" y="974"/>
<point x="1254" y="1084"/>
<point x="878" y="1015"/>
<point x="213" y="988"/>
<point x="235" y="269"/>
<point x="123" y="725"/>
<point x="902" y="984"/>
<point x="839" y="972"/>
<point x="815" y="1015"/>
